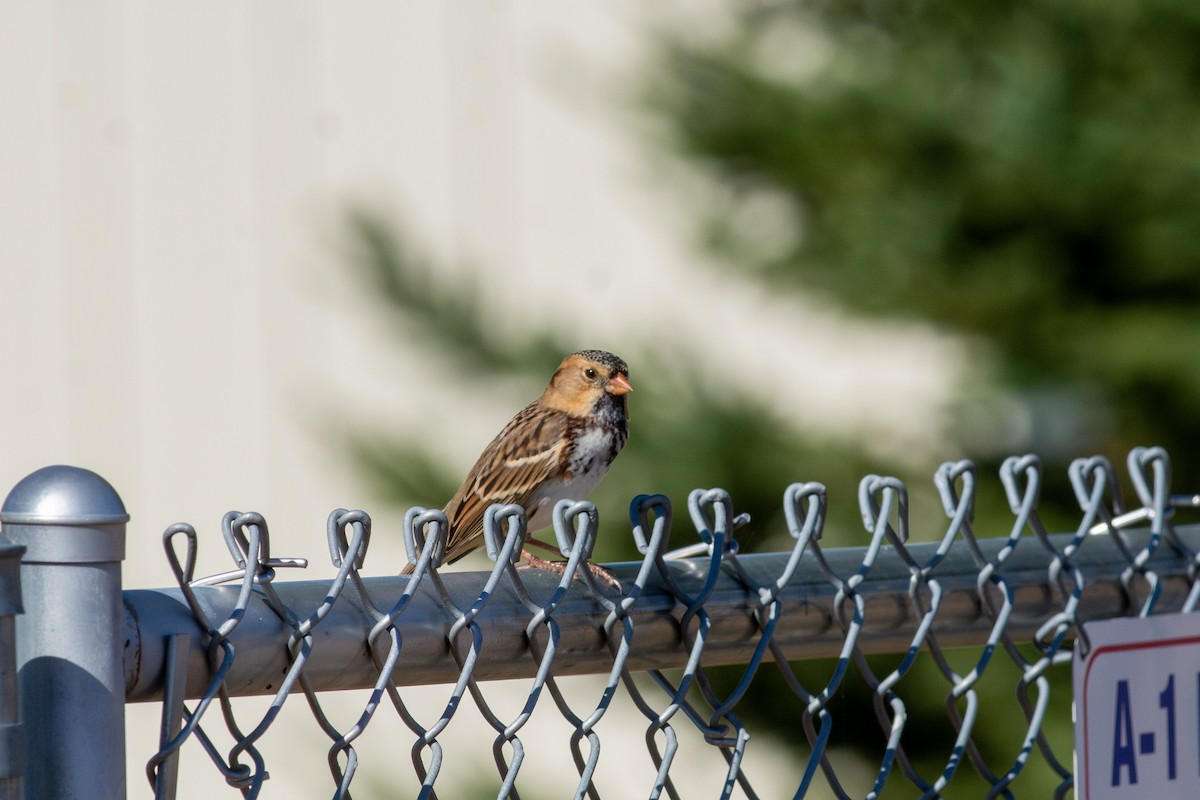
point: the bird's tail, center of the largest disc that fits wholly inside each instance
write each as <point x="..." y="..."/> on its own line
<point x="407" y="569"/>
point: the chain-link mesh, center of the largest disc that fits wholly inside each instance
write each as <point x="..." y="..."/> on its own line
<point x="966" y="620"/>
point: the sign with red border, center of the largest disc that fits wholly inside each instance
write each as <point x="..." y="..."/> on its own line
<point x="1137" y="708"/>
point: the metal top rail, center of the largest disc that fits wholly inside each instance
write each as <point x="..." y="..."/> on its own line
<point x="808" y="627"/>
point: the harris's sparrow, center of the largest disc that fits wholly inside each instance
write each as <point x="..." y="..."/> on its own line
<point x="557" y="447"/>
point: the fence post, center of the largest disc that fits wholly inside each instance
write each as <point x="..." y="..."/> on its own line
<point x="71" y="639"/>
<point x="12" y="736"/>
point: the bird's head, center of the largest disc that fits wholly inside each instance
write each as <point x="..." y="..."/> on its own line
<point x="586" y="378"/>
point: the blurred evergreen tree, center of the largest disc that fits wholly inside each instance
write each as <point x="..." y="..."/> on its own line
<point x="1024" y="174"/>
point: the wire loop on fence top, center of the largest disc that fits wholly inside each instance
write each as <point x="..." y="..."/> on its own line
<point x="1018" y="596"/>
<point x="509" y="519"/>
<point x="343" y="551"/>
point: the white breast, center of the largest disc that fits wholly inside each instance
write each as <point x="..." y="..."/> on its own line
<point x="588" y="464"/>
<point x="592" y="449"/>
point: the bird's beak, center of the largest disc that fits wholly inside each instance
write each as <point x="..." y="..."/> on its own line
<point x="619" y="384"/>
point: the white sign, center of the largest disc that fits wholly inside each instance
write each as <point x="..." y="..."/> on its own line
<point x="1137" y="709"/>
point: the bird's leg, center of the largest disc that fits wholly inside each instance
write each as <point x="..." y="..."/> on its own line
<point x="549" y="548"/>
<point x="557" y="567"/>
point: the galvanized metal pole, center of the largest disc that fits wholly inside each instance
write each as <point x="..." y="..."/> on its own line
<point x="12" y="735"/>
<point x="71" y="639"/>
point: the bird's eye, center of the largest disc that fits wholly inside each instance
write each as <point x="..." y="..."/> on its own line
<point x="590" y="373"/>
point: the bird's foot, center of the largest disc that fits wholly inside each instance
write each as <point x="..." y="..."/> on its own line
<point x="558" y="567"/>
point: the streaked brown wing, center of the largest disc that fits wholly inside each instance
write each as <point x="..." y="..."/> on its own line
<point x="523" y="456"/>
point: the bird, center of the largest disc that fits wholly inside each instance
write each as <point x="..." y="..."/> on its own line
<point x="557" y="447"/>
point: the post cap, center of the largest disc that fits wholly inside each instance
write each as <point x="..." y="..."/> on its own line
<point x="63" y="495"/>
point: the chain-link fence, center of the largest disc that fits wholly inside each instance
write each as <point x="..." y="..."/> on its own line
<point x="901" y="669"/>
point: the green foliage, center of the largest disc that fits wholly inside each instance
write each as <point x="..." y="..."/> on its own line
<point x="448" y="316"/>
<point x="1026" y="174"/>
